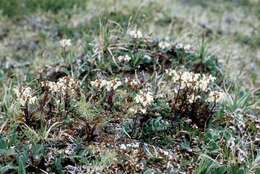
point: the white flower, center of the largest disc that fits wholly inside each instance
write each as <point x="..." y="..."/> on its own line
<point x="127" y="146"/>
<point x="164" y="45"/>
<point x="133" y="83"/>
<point x="173" y="74"/>
<point x="143" y="110"/>
<point x="33" y="100"/>
<point x="196" y="77"/>
<point x="211" y="78"/>
<point x="187" y="78"/>
<point x="113" y="84"/>
<point x="134" y="145"/>
<point x="179" y="46"/>
<point x="216" y="96"/>
<point x="103" y="83"/>
<point x="122" y="146"/>
<point x="203" y="85"/>
<point x="125" y="58"/>
<point x="205" y="81"/>
<point x="108" y="85"/>
<point x="144" y="98"/>
<point x="188" y="48"/>
<point x="136" y="34"/>
<point x="64" y="43"/>
<point x="96" y="83"/>
<point x="48" y="84"/>
<point x="99" y="83"/>
<point x="64" y="86"/>
<point x="132" y="110"/>
<point x="191" y="98"/>
<point x="24" y="95"/>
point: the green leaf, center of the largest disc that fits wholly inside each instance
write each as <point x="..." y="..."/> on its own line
<point x="21" y="169"/>
<point x="3" y="144"/>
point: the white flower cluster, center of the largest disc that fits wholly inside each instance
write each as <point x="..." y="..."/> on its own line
<point x="136" y="34"/>
<point x="64" y="86"/>
<point x="130" y="145"/>
<point x="196" y="82"/>
<point x="124" y="58"/>
<point x="25" y="95"/>
<point x="165" y="45"/>
<point x="64" y="43"/>
<point x="107" y="84"/>
<point x="189" y="79"/>
<point x="133" y="83"/>
<point x="216" y="96"/>
<point x="145" y="98"/>
<point x="187" y="48"/>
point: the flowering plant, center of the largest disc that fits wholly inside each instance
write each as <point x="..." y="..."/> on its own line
<point x="62" y="91"/>
<point x="191" y="94"/>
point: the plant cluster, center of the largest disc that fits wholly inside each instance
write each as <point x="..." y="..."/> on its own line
<point x="191" y="94"/>
<point x="135" y="105"/>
